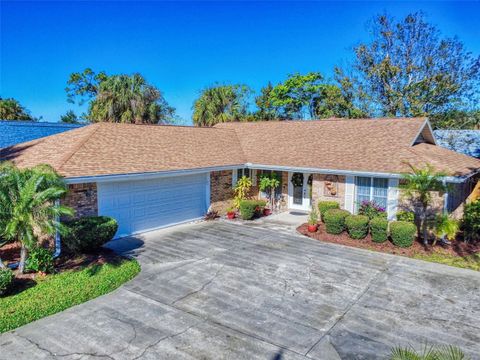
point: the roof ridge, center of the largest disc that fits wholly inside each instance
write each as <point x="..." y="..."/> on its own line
<point x="304" y="121"/>
<point x="93" y="129"/>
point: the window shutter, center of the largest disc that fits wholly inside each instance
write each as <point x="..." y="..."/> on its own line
<point x="234" y="177"/>
<point x="392" y="200"/>
<point x="349" y="192"/>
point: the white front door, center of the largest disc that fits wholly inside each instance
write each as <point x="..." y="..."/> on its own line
<point x="298" y="191"/>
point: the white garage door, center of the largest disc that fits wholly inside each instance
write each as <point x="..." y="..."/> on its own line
<point x="144" y="205"/>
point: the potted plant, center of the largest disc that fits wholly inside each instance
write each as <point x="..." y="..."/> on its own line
<point x="231" y="213"/>
<point x="313" y="221"/>
<point x="268" y="183"/>
<point x="267" y="211"/>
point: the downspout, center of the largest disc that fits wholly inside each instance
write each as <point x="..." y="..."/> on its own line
<point x="57" y="235"/>
<point x="445" y="198"/>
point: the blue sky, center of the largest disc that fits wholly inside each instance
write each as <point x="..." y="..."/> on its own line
<point x="181" y="47"/>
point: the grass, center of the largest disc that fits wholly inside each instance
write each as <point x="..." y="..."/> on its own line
<point x="57" y="292"/>
<point x="471" y="262"/>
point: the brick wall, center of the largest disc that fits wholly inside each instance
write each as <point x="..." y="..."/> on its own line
<point x="328" y="188"/>
<point x="221" y="193"/>
<point x="82" y="198"/>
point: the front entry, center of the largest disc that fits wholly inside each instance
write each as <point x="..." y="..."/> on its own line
<point x="299" y="191"/>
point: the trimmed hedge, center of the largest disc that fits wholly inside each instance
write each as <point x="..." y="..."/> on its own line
<point x="403" y="233"/>
<point x="324" y="206"/>
<point x="357" y="226"/>
<point x="6" y="279"/>
<point x="249" y="208"/>
<point x="40" y="259"/>
<point x="335" y="220"/>
<point x="89" y="233"/>
<point x="404" y="215"/>
<point x="379" y="229"/>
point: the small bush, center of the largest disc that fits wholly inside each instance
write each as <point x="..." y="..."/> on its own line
<point x="379" y="229"/>
<point x="471" y="221"/>
<point x="402" y="233"/>
<point x="89" y="233"/>
<point x="357" y="226"/>
<point x="371" y="209"/>
<point x="324" y="206"/>
<point x="250" y="208"/>
<point x="406" y="216"/>
<point x="335" y="220"/>
<point x="313" y="217"/>
<point x="40" y="259"/>
<point x="6" y="279"/>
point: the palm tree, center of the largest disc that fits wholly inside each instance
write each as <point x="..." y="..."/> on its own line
<point x="428" y="353"/>
<point x="221" y="103"/>
<point x="11" y="109"/>
<point x="27" y="200"/>
<point x="418" y="185"/>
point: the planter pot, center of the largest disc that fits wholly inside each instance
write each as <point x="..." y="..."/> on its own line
<point x="267" y="212"/>
<point x="313" y="228"/>
<point x="230" y="215"/>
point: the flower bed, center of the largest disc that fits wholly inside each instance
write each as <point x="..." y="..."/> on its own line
<point x="459" y="254"/>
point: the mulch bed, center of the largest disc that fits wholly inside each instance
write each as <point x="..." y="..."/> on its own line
<point x="458" y="248"/>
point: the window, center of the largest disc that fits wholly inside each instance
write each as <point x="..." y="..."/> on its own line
<point x="371" y="189"/>
<point x="278" y="190"/>
<point x="244" y="172"/>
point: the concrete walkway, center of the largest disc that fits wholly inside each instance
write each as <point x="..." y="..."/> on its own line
<point x="219" y="290"/>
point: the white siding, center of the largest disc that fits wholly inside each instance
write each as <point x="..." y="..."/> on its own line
<point x="349" y="193"/>
<point x="392" y="202"/>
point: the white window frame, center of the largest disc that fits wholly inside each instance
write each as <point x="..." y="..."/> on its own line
<point x="252" y="175"/>
<point x="355" y="205"/>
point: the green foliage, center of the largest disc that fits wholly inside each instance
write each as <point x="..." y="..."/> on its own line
<point x="6" y="279"/>
<point x="40" y="259"/>
<point x="313" y="217"/>
<point x="335" y="220"/>
<point x="471" y="221"/>
<point x="221" y="103"/>
<point x="371" y="209"/>
<point x="119" y="98"/>
<point x="357" y="226"/>
<point x="406" y="216"/>
<point x="265" y="109"/>
<point x="471" y="262"/>
<point x="27" y="204"/>
<point x="249" y="208"/>
<point x="418" y="186"/>
<point x="89" y="233"/>
<point x="402" y="233"/>
<point x="456" y="119"/>
<point x="10" y="109"/>
<point x="379" y="229"/>
<point x="70" y="118"/>
<point x="409" y="69"/>
<point x="269" y="182"/>
<point x="445" y="226"/>
<point x="324" y="206"/>
<point x="241" y="190"/>
<point x="60" y="291"/>
<point x="446" y="352"/>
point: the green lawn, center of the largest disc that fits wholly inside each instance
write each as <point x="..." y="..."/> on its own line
<point x="58" y="292"/>
<point x="467" y="262"/>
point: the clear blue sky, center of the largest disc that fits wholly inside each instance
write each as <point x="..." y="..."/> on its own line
<point x="182" y="47"/>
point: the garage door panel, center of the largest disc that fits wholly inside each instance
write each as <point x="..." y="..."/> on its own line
<point x="148" y="204"/>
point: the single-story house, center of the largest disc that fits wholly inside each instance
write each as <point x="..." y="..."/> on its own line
<point x="151" y="176"/>
<point x="15" y="132"/>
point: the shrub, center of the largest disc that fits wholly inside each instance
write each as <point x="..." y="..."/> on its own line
<point x="335" y="220"/>
<point x="40" y="259"/>
<point x="324" y="206"/>
<point x="249" y="208"/>
<point x="313" y="217"/>
<point x="379" y="229"/>
<point x="406" y="216"/>
<point x="402" y="233"/>
<point x="357" y="226"/>
<point x="371" y="209"/>
<point x="89" y="233"/>
<point x="6" y="279"/>
<point x="471" y="221"/>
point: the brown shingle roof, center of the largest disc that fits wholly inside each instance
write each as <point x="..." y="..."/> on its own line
<point x="105" y="149"/>
<point x="350" y="145"/>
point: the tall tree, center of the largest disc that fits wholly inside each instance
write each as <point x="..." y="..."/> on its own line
<point x="119" y="98"/>
<point x="11" y="109"/>
<point x="221" y="103"/>
<point x="409" y="69"/>
<point x="266" y="110"/>
<point x="70" y="118"/>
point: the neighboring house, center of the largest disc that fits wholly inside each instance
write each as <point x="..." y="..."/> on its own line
<point x="149" y="176"/>
<point x="15" y="132"/>
<point x="463" y="141"/>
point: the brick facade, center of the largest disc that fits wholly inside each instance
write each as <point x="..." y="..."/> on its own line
<point x="221" y="192"/>
<point x="82" y="198"/>
<point x="328" y="188"/>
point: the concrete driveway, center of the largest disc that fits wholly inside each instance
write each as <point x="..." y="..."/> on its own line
<point x="225" y="291"/>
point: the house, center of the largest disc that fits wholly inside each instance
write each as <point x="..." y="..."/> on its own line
<point x="149" y="176"/>
<point x="15" y="132"/>
<point x="463" y="141"/>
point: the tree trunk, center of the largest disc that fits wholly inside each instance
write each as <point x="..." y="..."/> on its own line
<point x="424" y="226"/>
<point x="23" y="258"/>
